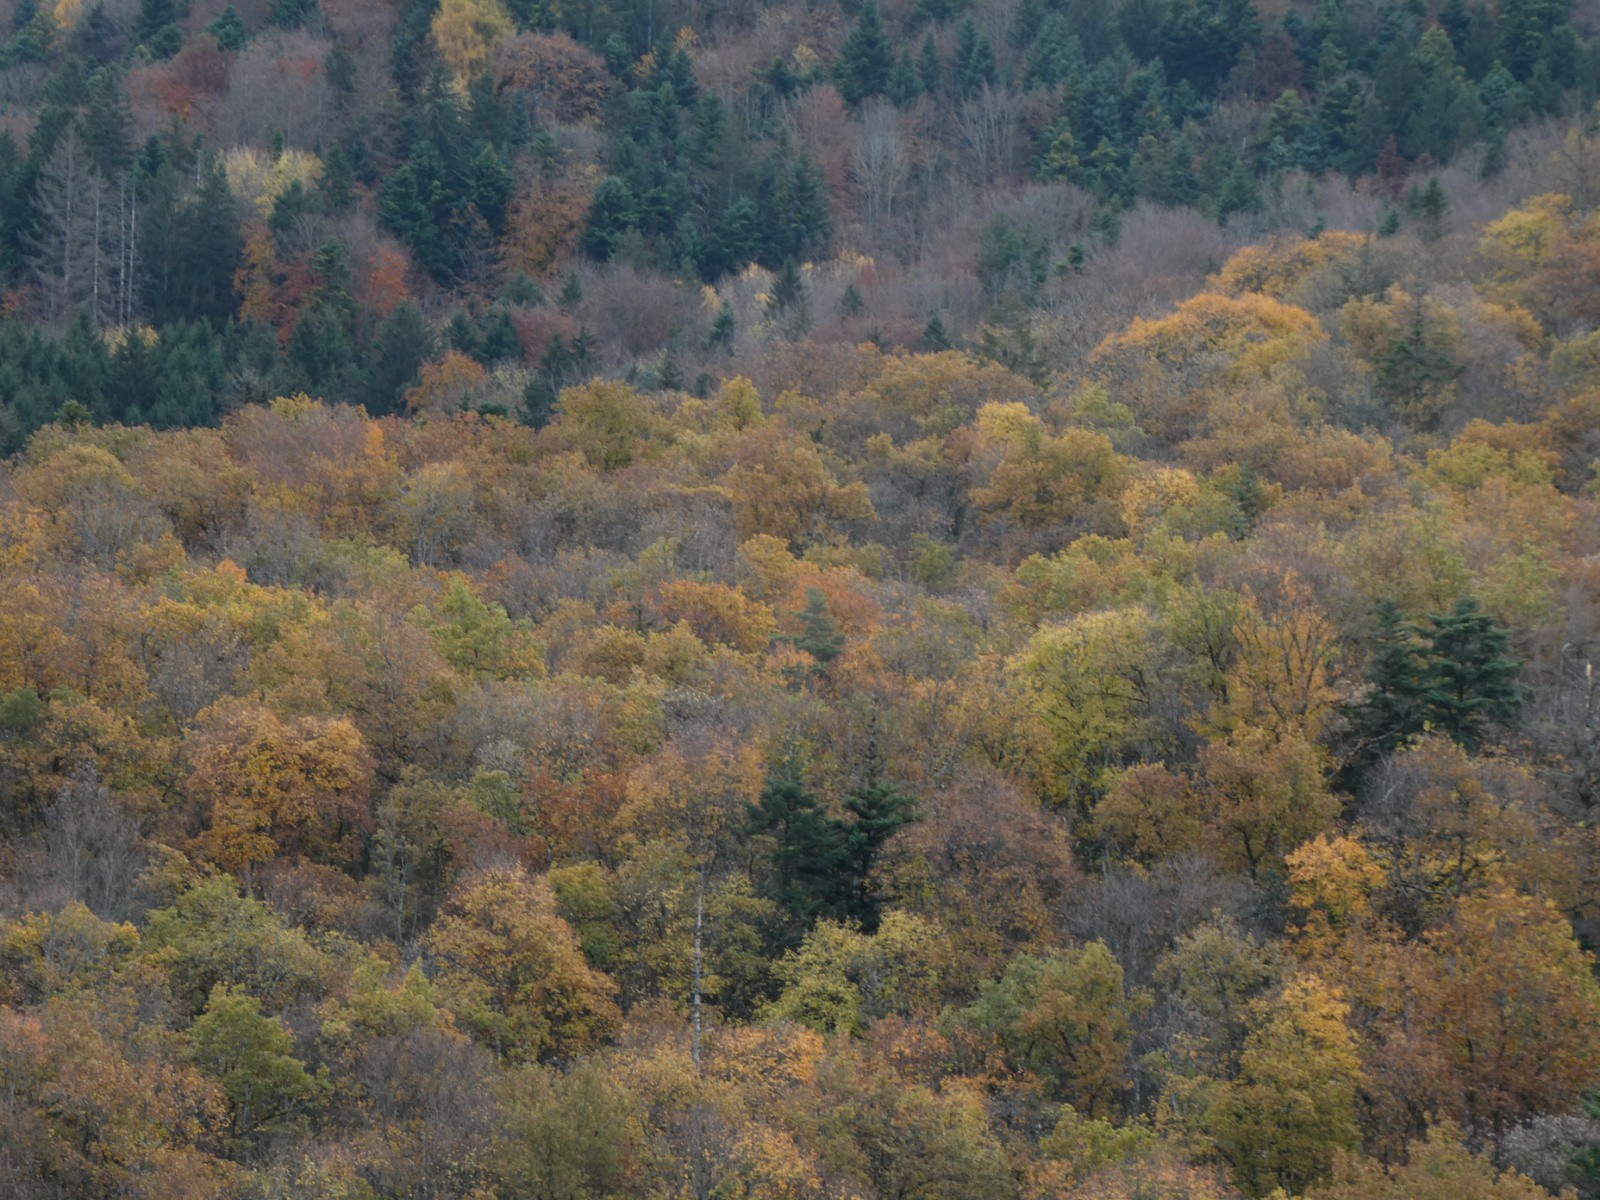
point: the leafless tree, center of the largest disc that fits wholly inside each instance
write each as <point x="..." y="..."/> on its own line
<point x="83" y="252"/>
<point x="881" y="164"/>
<point x="988" y="124"/>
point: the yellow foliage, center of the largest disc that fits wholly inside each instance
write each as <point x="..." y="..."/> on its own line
<point x="1523" y="239"/>
<point x="261" y="179"/>
<point x="1252" y="332"/>
<point x="468" y="32"/>
<point x="1150" y="494"/>
<point x="1331" y="884"/>
<point x="445" y="385"/>
<point x="1284" y="1120"/>
<point x="1283" y="678"/>
<point x="1278" y="266"/>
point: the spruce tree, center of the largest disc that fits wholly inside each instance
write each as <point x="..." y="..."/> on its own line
<point x="156" y="28"/>
<point x="866" y="60"/>
<point x="107" y="124"/>
<point x="612" y="212"/>
<point x="1431" y="207"/>
<point x="497" y="337"/>
<point x="879" y="812"/>
<point x="905" y="84"/>
<point x="807" y="847"/>
<point x="820" y="635"/>
<point x="229" y="30"/>
<point x="403" y="344"/>
<point x="974" y="63"/>
<point x="521" y="290"/>
<point x="1472" y="678"/>
<point x="934" y="337"/>
<point x="571" y="293"/>
<point x="723" y="328"/>
<point x="488" y="187"/>
<point x="1395" y="708"/>
<point x="205" y="287"/>
<point x="336" y="186"/>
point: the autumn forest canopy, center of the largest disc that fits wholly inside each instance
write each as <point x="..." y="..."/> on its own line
<point x="896" y="600"/>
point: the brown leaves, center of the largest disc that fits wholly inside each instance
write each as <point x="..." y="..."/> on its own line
<point x="268" y="787"/>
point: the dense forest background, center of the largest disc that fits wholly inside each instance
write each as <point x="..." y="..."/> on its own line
<point x="696" y="602"/>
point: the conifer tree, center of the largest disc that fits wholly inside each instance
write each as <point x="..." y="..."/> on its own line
<point x="1431" y="207"/>
<point x="821" y="636"/>
<point x="403" y="344"/>
<point x="905" y="84"/>
<point x="107" y="124"/>
<point x="571" y="294"/>
<point x="1395" y="709"/>
<point x="866" y="59"/>
<point x="336" y="186"/>
<point x="156" y="28"/>
<point x="723" y="328"/>
<point x="1472" y="679"/>
<point x="229" y="30"/>
<point x="807" y="847"/>
<point x="974" y="63"/>
<point x="879" y="811"/>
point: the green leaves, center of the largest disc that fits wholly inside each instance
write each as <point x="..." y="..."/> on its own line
<point x="269" y="1091"/>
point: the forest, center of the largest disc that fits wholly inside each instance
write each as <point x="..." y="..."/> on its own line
<point x="905" y="600"/>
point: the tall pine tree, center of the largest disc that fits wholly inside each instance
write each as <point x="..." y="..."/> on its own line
<point x="866" y="60"/>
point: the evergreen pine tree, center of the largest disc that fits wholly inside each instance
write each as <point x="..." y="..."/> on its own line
<point x="292" y="14"/>
<point x="1431" y="207"/>
<point x="807" y="847"/>
<point x="866" y="60"/>
<point x="934" y="337"/>
<point x="905" y="84"/>
<point x="293" y="205"/>
<point x="156" y="28"/>
<point x="407" y="211"/>
<point x="336" y="186"/>
<point x="1418" y="364"/>
<point x="1472" y="679"/>
<point x="723" y="328"/>
<point x="107" y="124"/>
<point x="1060" y="158"/>
<point x="488" y="186"/>
<point x="612" y="212"/>
<point x="321" y="355"/>
<point x="211" y="235"/>
<point x="1395" y="708"/>
<point x="497" y="337"/>
<point x="403" y="344"/>
<point x="571" y="294"/>
<point x="879" y="812"/>
<point x="521" y="290"/>
<point x="340" y="70"/>
<point x="229" y="31"/>
<point x="820" y="635"/>
<point x="973" y="65"/>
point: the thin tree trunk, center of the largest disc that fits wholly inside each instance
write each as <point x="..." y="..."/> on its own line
<point x="699" y="931"/>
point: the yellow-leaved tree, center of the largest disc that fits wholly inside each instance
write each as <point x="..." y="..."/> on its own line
<point x="468" y="32"/>
<point x="1292" y="1109"/>
<point x="512" y="972"/>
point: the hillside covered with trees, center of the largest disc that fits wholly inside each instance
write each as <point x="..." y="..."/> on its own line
<point x="674" y="602"/>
